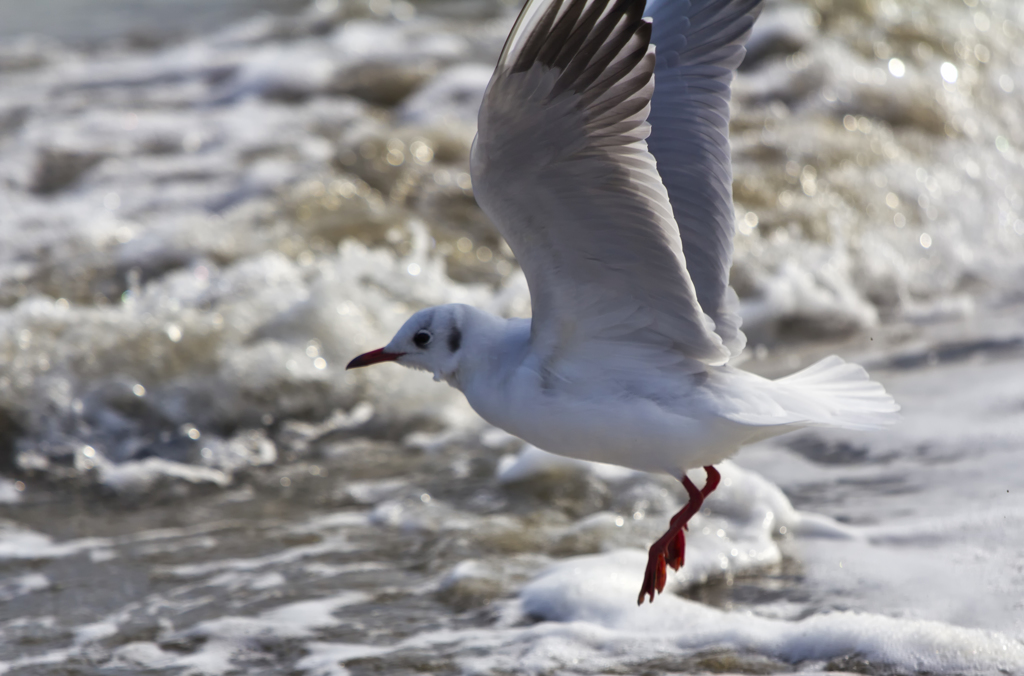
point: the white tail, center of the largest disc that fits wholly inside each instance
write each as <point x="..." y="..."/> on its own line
<point x="837" y="393"/>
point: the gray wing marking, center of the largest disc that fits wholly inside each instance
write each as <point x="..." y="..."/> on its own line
<point x="699" y="45"/>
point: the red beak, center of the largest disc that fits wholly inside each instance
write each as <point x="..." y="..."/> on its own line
<point x="373" y="357"/>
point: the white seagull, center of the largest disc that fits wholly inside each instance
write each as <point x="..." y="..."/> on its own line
<point x="606" y="168"/>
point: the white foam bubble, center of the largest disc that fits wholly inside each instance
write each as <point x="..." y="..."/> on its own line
<point x="599" y="592"/>
<point x="21" y="585"/>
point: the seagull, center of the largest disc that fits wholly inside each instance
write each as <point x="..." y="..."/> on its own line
<point x="602" y="157"/>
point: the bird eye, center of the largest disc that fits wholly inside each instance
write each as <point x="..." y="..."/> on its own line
<point x="422" y="338"/>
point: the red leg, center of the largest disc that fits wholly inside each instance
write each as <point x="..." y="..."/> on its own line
<point x="670" y="548"/>
<point x="676" y="546"/>
<point x="712" y="483"/>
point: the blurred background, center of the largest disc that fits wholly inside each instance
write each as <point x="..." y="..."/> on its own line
<point x="206" y="209"/>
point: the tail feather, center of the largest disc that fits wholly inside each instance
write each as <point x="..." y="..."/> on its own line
<point x="837" y="393"/>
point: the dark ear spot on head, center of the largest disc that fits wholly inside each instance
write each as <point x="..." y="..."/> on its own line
<point x="455" y="339"/>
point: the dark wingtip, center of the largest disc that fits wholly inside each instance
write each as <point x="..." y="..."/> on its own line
<point x="373" y="357"/>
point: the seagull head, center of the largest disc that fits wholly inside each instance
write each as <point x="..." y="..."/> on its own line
<point x="431" y="340"/>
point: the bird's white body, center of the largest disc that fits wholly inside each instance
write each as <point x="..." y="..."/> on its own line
<point x="652" y="432"/>
<point x="668" y="417"/>
<point x="636" y="421"/>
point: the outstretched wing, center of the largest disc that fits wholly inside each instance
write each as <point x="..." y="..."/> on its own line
<point x="699" y="46"/>
<point x="561" y="165"/>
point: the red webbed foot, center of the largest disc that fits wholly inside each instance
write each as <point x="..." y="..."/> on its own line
<point x="670" y="548"/>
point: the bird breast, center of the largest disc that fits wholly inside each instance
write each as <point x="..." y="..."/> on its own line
<point x="617" y="425"/>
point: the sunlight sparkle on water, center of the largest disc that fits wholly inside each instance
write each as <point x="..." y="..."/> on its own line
<point x="949" y="72"/>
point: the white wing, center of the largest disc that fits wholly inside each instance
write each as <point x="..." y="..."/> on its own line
<point x="561" y="166"/>
<point x="700" y="45"/>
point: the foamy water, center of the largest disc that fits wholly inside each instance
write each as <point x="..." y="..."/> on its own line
<point x="195" y="238"/>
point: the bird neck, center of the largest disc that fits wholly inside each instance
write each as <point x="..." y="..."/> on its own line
<point x="493" y="347"/>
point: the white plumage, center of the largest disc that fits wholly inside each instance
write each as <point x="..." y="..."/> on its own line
<point x="602" y="157"/>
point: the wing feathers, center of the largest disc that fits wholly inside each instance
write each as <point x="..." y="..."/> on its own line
<point x="536" y="38"/>
<point x="619" y="99"/>
<point x="587" y="81"/>
<point x="577" y="47"/>
<point x="561" y="166"/>
<point x="555" y="45"/>
<point x="699" y="46"/>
